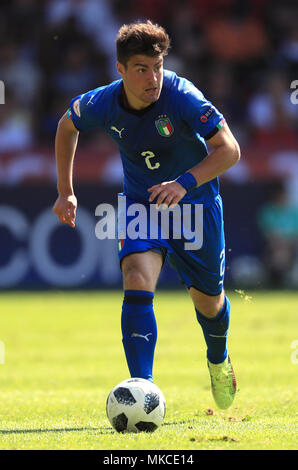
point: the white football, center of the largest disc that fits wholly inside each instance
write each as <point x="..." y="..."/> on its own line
<point x="136" y="405"/>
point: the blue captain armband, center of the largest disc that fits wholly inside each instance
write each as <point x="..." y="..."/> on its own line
<point x="188" y="181"/>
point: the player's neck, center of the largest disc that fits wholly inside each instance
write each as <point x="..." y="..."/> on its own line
<point x="131" y="103"/>
<point x="124" y="102"/>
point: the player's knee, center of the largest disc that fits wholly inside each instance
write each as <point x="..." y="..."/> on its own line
<point x="208" y="305"/>
<point x="210" y="310"/>
<point x="135" y="279"/>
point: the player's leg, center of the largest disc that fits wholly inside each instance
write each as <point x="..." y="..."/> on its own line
<point x="202" y="271"/>
<point x="140" y="271"/>
<point x="139" y="329"/>
<point x="213" y="314"/>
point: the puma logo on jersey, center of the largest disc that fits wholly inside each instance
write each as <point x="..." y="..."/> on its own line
<point x="90" y="101"/>
<point x="113" y="128"/>
<point x="136" y="335"/>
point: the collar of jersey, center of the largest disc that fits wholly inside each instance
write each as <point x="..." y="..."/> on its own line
<point x="124" y="105"/>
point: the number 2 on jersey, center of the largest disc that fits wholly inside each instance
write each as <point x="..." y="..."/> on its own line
<point x="222" y="266"/>
<point x="148" y="154"/>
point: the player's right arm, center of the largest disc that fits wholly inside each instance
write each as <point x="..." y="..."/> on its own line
<point x="65" y="148"/>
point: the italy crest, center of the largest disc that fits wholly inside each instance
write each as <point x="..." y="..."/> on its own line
<point x="164" y="126"/>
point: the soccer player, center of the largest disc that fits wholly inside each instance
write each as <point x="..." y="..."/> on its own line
<point x="161" y="123"/>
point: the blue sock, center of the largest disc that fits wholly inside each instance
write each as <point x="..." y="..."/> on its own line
<point x="139" y="332"/>
<point x="216" y="333"/>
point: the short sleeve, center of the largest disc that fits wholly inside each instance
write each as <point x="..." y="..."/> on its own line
<point x="201" y="115"/>
<point x="85" y="112"/>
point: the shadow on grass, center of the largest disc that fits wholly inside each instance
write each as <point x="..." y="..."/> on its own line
<point x="105" y="430"/>
<point x="102" y="430"/>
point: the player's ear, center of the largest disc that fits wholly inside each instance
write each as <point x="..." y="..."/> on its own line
<point x="120" y="68"/>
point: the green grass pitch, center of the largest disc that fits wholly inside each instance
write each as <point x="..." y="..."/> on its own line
<point x="63" y="355"/>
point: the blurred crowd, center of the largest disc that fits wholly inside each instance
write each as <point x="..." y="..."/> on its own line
<point x="242" y="53"/>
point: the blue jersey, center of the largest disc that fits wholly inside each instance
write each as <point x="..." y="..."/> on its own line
<point x="160" y="143"/>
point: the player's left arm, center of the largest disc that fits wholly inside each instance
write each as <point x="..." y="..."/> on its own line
<point x="225" y="154"/>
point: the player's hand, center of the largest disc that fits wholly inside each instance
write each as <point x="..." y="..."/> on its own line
<point x="65" y="209"/>
<point x="168" y="194"/>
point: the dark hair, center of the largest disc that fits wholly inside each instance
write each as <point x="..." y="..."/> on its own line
<point x="141" y="38"/>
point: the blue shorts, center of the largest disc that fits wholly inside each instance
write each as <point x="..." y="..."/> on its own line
<point x="190" y="239"/>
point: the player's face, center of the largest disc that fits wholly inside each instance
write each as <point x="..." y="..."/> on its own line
<point x="142" y="79"/>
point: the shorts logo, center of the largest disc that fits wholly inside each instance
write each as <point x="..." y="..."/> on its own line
<point x="164" y="126"/>
<point x="76" y="107"/>
<point x="204" y="118"/>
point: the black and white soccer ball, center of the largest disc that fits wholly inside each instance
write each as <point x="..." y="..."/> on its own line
<point x="136" y="405"/>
